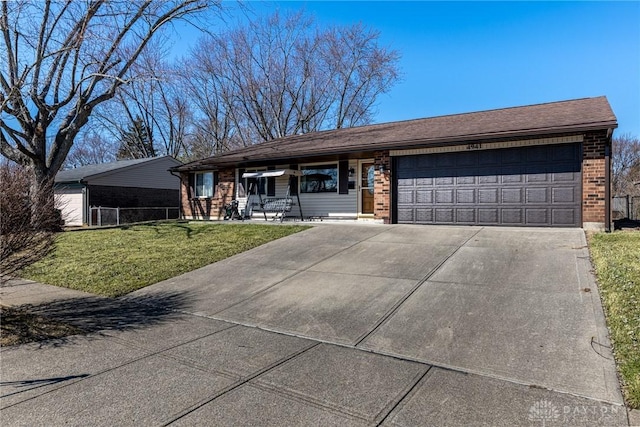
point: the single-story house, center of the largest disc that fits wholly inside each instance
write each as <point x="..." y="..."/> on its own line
<point x="122" y="184"/>
<point x="537" y="165"/>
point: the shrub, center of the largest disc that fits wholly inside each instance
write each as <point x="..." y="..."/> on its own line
<point x="28" y="220"/>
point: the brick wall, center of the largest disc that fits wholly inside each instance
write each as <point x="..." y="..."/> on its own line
<point x="593" y="177"/>
<point x="207" y="208"/>
<point x="382" y="187"/>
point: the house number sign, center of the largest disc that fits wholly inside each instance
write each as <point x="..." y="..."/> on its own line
<point x="474" y="146"/>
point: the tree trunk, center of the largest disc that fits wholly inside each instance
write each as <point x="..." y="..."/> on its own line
<point x="41" y="198"/>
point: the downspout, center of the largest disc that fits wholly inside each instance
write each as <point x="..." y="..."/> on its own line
<point x="86" y="208"/>
<point x="607" y="182"/>
<point x="179" y="193"/>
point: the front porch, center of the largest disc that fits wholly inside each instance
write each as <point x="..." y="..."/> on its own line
<point x="352" y="190"/>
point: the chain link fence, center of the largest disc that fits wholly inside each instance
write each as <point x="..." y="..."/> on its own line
<point x="626" y="207"/>
<point x="100" y="215"/>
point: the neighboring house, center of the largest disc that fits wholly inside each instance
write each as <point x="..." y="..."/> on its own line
<point x="537" y="165"/>
<point x="123" y="184"/>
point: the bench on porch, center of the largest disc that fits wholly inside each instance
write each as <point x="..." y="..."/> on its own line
<point x="274" y="205"/>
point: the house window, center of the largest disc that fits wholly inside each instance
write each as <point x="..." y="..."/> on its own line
<point x="319" y="178"/>
<point x="204" y="183"/>
<point x="253" y="184"/>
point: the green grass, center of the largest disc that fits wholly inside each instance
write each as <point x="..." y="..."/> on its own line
<point x="114" y="262"/>
<point x="616" y="257"/>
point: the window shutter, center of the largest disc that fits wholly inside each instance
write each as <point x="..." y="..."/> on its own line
<point x="216" y="189"/>
<point x="293" y="181"/>
<point x="343" y="177"/>
<point x="191" y="191"/>
<point x="271" y="183"/>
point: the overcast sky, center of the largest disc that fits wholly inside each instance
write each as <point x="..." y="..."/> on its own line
<point x="468" y="56"/>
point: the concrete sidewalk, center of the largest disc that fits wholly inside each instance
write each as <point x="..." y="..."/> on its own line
<point x="338" y="325"/>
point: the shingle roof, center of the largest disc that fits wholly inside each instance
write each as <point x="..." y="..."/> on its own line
<point x="89" y="171"/>
<point x="556" y="117"/>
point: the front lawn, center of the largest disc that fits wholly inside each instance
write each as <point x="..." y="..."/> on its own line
<point x="114" y="262"/>
<point x="616" y="258"/>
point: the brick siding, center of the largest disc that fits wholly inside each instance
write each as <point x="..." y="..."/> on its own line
<point x="382" y="187"/>
<point x="207" y="208"/>
<point x="593" y="177"/>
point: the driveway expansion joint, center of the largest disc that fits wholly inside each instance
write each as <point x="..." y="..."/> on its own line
<point x="385" y="317"/>
<point x="293" y="274"/>
<point x="236" y="385"/>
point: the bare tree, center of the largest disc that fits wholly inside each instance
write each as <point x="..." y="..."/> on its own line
<point x="154" y="103"/>
<point x="359" y="71"/>
<point x="626" y="165"/>
<point x="61" y="59"/>
<point x="280" y="76"/>
<point x="26" y="234"/>
<point x="90" y="148"/>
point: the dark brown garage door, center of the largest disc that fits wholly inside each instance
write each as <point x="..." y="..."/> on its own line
<point x="535" y="186"/>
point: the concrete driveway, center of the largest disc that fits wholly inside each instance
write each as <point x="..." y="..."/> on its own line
<point x="348" y="325"/>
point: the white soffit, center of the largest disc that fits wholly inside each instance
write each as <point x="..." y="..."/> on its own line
<point x="488" y="145"/>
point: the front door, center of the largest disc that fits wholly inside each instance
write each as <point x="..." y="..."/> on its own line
<point x="366" y="170"/>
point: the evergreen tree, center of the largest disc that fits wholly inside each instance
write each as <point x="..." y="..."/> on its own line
<point x="136" y="142"/>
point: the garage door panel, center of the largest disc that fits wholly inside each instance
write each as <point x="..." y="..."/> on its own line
<point x="445" y="161"/>
<point x="488" y="195"/>
<point x="405" y="197"/>
<point x="424" y="216"/>
<point x="538" y="186"/>
<point x="444" y="196"/>
<point x="512" y="216"/>
<point x="563" y="195"/>
<point x="511" y="196"/>
<point x="444" y="179"/>
<point x="467" y="159"/>
<point x="424" y="196"/>
<point x="489" y="216"/>
<point x="537" y="195"/>
<point x="405" y="182"/>
<point x="466" y="179"/>
<point x="466" y="196"/>
<point x="537" y="217"/>
<point x="564" y="217"/>
<point x="512" y="175"/>
<point x="565" y="153"/>
<point x="405" y="215"/>
<point x="489" y="157"/>
<point x="444" y="215"/>
<point x="537" y="173"/>
<point x="565" y="176"/>
<point x="465" y="216"/>
<point x="537" y="154"/>
<point x="488" y="178"/>
<point x="511" y="157"/>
